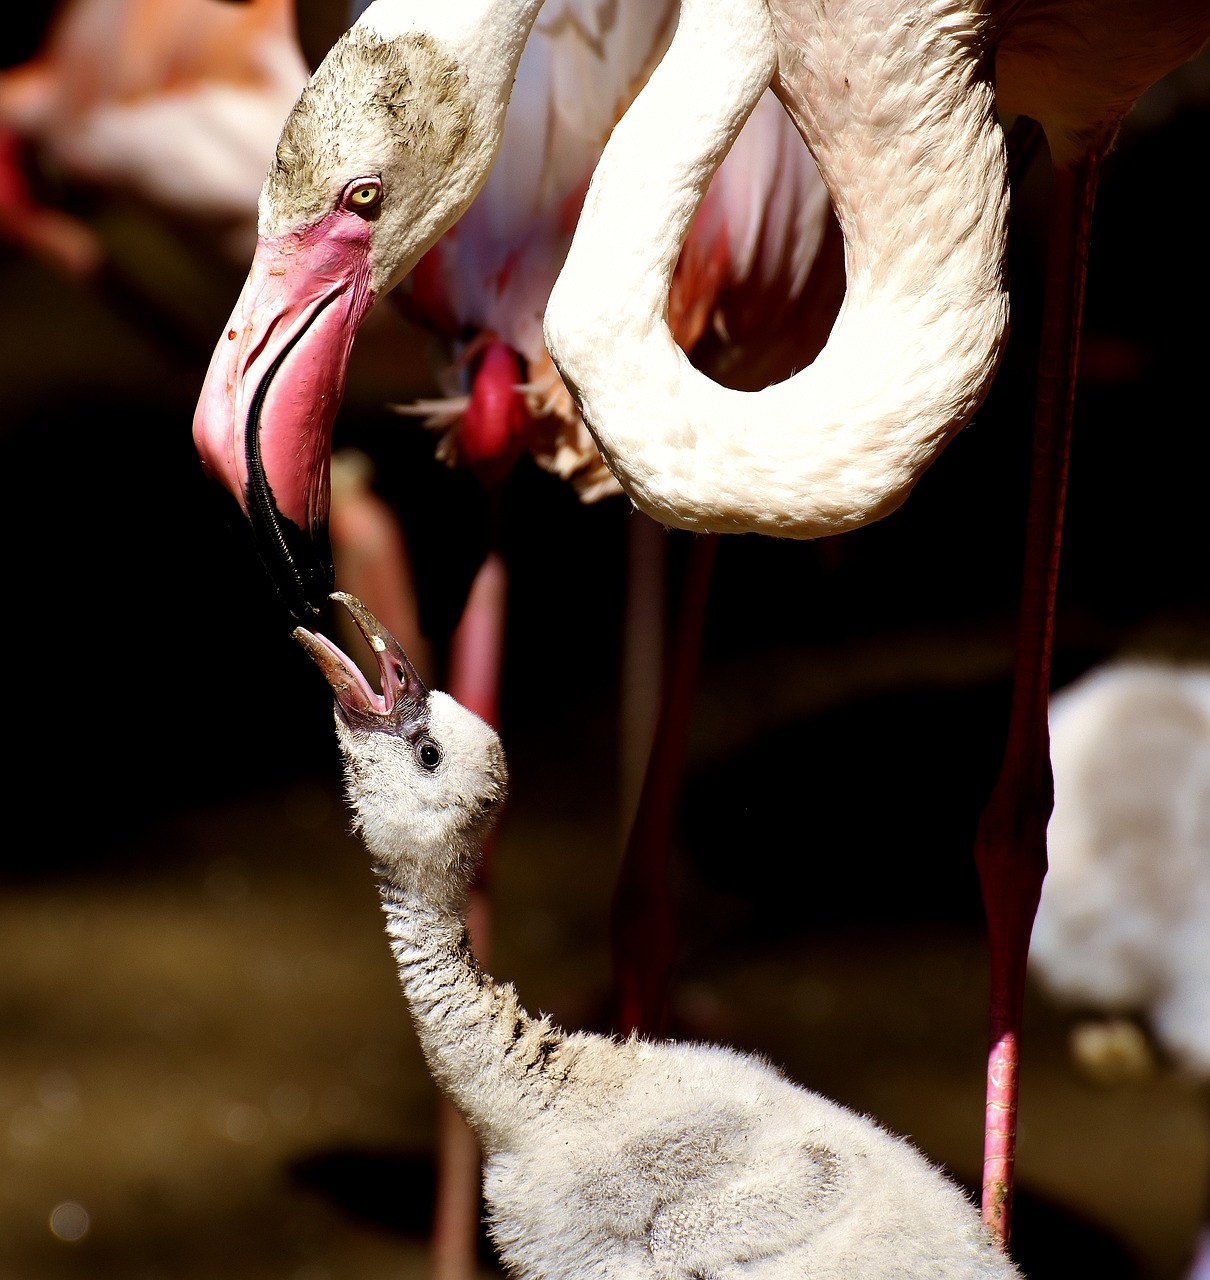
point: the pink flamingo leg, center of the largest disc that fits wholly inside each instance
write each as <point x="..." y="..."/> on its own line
<point x="1010" y="844"/>
<point x="477" y="645"/>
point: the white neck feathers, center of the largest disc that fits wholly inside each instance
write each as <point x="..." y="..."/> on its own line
<point x="497" y="1064"/>
<point x="907" y="141"/>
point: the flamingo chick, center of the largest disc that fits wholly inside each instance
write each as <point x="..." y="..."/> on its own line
<point x="608" y="1157"/>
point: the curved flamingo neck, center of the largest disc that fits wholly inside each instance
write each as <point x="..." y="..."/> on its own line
<point x="904" y="130"/>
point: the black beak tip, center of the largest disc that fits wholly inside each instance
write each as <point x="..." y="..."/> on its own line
<point x="299" y="563"/>
<point x="304" y="579"/>
<point x="304" y="613"/>
<point x="306" y="597"/>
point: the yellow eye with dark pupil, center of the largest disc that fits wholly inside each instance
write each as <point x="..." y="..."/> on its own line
<point x="365" y="196"/>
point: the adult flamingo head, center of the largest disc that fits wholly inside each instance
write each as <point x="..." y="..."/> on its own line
<point x="386" y="147"/>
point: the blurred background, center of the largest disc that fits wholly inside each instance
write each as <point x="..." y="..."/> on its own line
<point x="205" y="1064"/>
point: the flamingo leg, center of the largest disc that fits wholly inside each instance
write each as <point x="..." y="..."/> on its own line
<point x="642" y="923"/>
<point x="453" y="1243"/>
<point x="1010" y="843"/>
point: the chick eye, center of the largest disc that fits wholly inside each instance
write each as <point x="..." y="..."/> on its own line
<point x="362" y="195"/>
<point x="428" y="753"/>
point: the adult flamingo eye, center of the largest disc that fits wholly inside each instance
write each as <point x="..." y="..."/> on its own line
<point x="362" y="195"/>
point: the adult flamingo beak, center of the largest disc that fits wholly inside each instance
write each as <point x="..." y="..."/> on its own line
<point x="263" y="425"/>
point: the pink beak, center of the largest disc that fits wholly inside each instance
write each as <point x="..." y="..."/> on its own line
<point x="263" y="425"/>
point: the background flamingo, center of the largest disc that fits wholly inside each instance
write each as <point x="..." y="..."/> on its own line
<point x="182" y="112"/>
<point x="1123" y="925"/>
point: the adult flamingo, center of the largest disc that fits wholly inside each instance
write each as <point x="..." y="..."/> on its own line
<point x="900" y="104"/>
